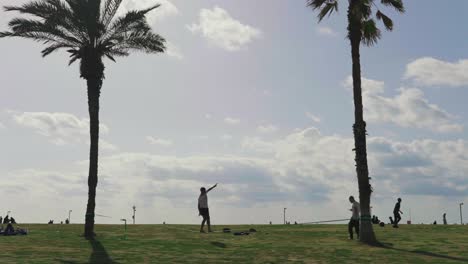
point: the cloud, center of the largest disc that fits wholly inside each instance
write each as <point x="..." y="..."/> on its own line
<point x="407" y="109"/>
<point x="226" y="137"/>
<point x="167" y="9"/>
<point x="313" y="117"/>
<point x="326" y="31"/>
<point x="304" y="168"/>
<point x="266" y="129"/>
<point x="428" y="71"/>
<point x="159" y="141"/>
<point x="173" y="51"/>
<point x="61" y="128"/>
<point x="231" y="121"/>
<point x="221" y="29"/>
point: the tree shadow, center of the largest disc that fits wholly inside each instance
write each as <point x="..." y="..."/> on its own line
<point x="99" y="254"/>
<point x="424" y="253"/>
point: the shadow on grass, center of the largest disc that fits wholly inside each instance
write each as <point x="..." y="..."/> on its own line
<point x="99" y="254"/>
<point x="424" y="253"/>
<point x="218" y="244"/>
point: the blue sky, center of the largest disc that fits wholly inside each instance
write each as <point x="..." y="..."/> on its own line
<point x="254" y="97"/>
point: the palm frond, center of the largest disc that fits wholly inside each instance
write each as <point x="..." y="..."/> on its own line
<point x="109" y="10"/>
<point x="54" y="47"/>
<point x="328" y="9"/>
<point x="316" y="4"/>
<point x="370" y="32"/>
<point x="385" y="19"/>
<point x="397" y="4"/>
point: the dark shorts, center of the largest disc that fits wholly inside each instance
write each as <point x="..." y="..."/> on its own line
<point x="204" y="212"/>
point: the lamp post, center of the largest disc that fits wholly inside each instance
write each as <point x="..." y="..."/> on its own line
<point x="134" y="210"/>
<point x="461" y="215"/>
<point x="284" y="215"/>
<point x="69" y="216"/>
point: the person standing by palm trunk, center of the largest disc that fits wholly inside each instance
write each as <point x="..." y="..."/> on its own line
<point x="362" y="28"/>
<point x="90" y="31"/>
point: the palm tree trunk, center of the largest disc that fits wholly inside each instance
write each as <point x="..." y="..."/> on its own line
<point x="359" y="129"/>
<point x="94" y="87"/>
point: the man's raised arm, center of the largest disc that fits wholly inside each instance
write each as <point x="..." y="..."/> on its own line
<point x="212" y="187"/>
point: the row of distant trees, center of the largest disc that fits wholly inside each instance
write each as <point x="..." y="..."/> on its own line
<point x="90" y="31"/>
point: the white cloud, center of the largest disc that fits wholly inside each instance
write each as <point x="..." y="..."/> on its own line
<point x="431" y="72"/>
<point x="326" y="31"/>
<point x="60" y="128"/>
<point x="221" y="29"/>
<point x="173" y="51"/>
<point x="313" y="117"/>
<point x="208" y="116"/>
<point x="226" y="137"/>
<point x="166" y="9"/>
<point x="159" y="141"/>
<point x="267" y="129"/>
<point x="231" y="121"/>
<point x="305" y="167"/>
<point x="407" y="109"/>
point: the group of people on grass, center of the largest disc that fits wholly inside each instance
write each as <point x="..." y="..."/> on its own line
<point x="9" y="229"/>
<point x="355" y="217"/>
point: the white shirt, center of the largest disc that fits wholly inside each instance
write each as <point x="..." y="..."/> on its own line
<point x="203" y="201"/>
<point x="356" y="209"/>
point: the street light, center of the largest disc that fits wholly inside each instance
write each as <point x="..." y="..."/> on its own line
<point x="284" y="215"/>
<point x="461" y="215"/>
<point x="134" y="210"/>
<point x="69" y="216"/>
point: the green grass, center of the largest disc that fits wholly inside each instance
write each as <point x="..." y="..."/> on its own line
<point x="271" y="244"/>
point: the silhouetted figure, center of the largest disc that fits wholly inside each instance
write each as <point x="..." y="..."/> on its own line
<point x="354" y="221"/>
<point x="51" y="222"/>
<point x="12" y="220"/>
<point x="445" y="219"/>
<point x="164" y="223"/>
<point x="61" y="222"/>
<point x="203" y="208"/>
<point x="396" y="213"/>
<point x="295" y="222"/>
<point x="435" y="223"/>
<point x="391" y="220"/>
<point x="1" y="218"/>
<point x="9" y="230"/>
<point x="6" y="220"/>
<point x="67" y="221"/>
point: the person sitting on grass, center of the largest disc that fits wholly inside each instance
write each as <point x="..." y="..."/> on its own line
<point x="203" y="208"/>
<point x="354" y="221"/>
<point x="6" y="220"/>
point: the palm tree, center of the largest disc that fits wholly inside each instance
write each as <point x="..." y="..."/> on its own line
<point x="361" y="28"/>
<point x="90" y="31"/>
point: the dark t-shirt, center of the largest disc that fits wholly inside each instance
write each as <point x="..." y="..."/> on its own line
<point x="397" y="208"/>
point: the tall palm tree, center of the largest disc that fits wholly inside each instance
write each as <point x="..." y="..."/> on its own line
<point x="90" y="31"/>
<point x="361" y="28"/>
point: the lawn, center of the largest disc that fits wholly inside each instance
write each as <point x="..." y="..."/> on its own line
<point x="271" y="244"/>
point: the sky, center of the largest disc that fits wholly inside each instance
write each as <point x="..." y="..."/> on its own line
<point x="254" y="97"/>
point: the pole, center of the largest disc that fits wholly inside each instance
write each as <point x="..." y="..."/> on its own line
<point x="69" y="216"/>
<point x="284" y="215"/>
<point x="125" y="230"/>
<point x="461" y="215"/>
<point x="134" y="210"/>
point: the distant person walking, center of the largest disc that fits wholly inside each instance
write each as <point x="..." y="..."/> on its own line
<point x="445" y="218"/>
<point x="354" y="221"/>
<point x="396" y="213"/>
<point x="203" y="208"/>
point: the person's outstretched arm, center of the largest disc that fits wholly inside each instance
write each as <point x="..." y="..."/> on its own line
<point x="212" y="187"/>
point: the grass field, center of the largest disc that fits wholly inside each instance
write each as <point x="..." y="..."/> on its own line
<point x="271" y="244"/>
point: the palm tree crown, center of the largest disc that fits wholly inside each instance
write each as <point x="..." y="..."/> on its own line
<point x="362" y="11"/>
<point x="83" y="27"/>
